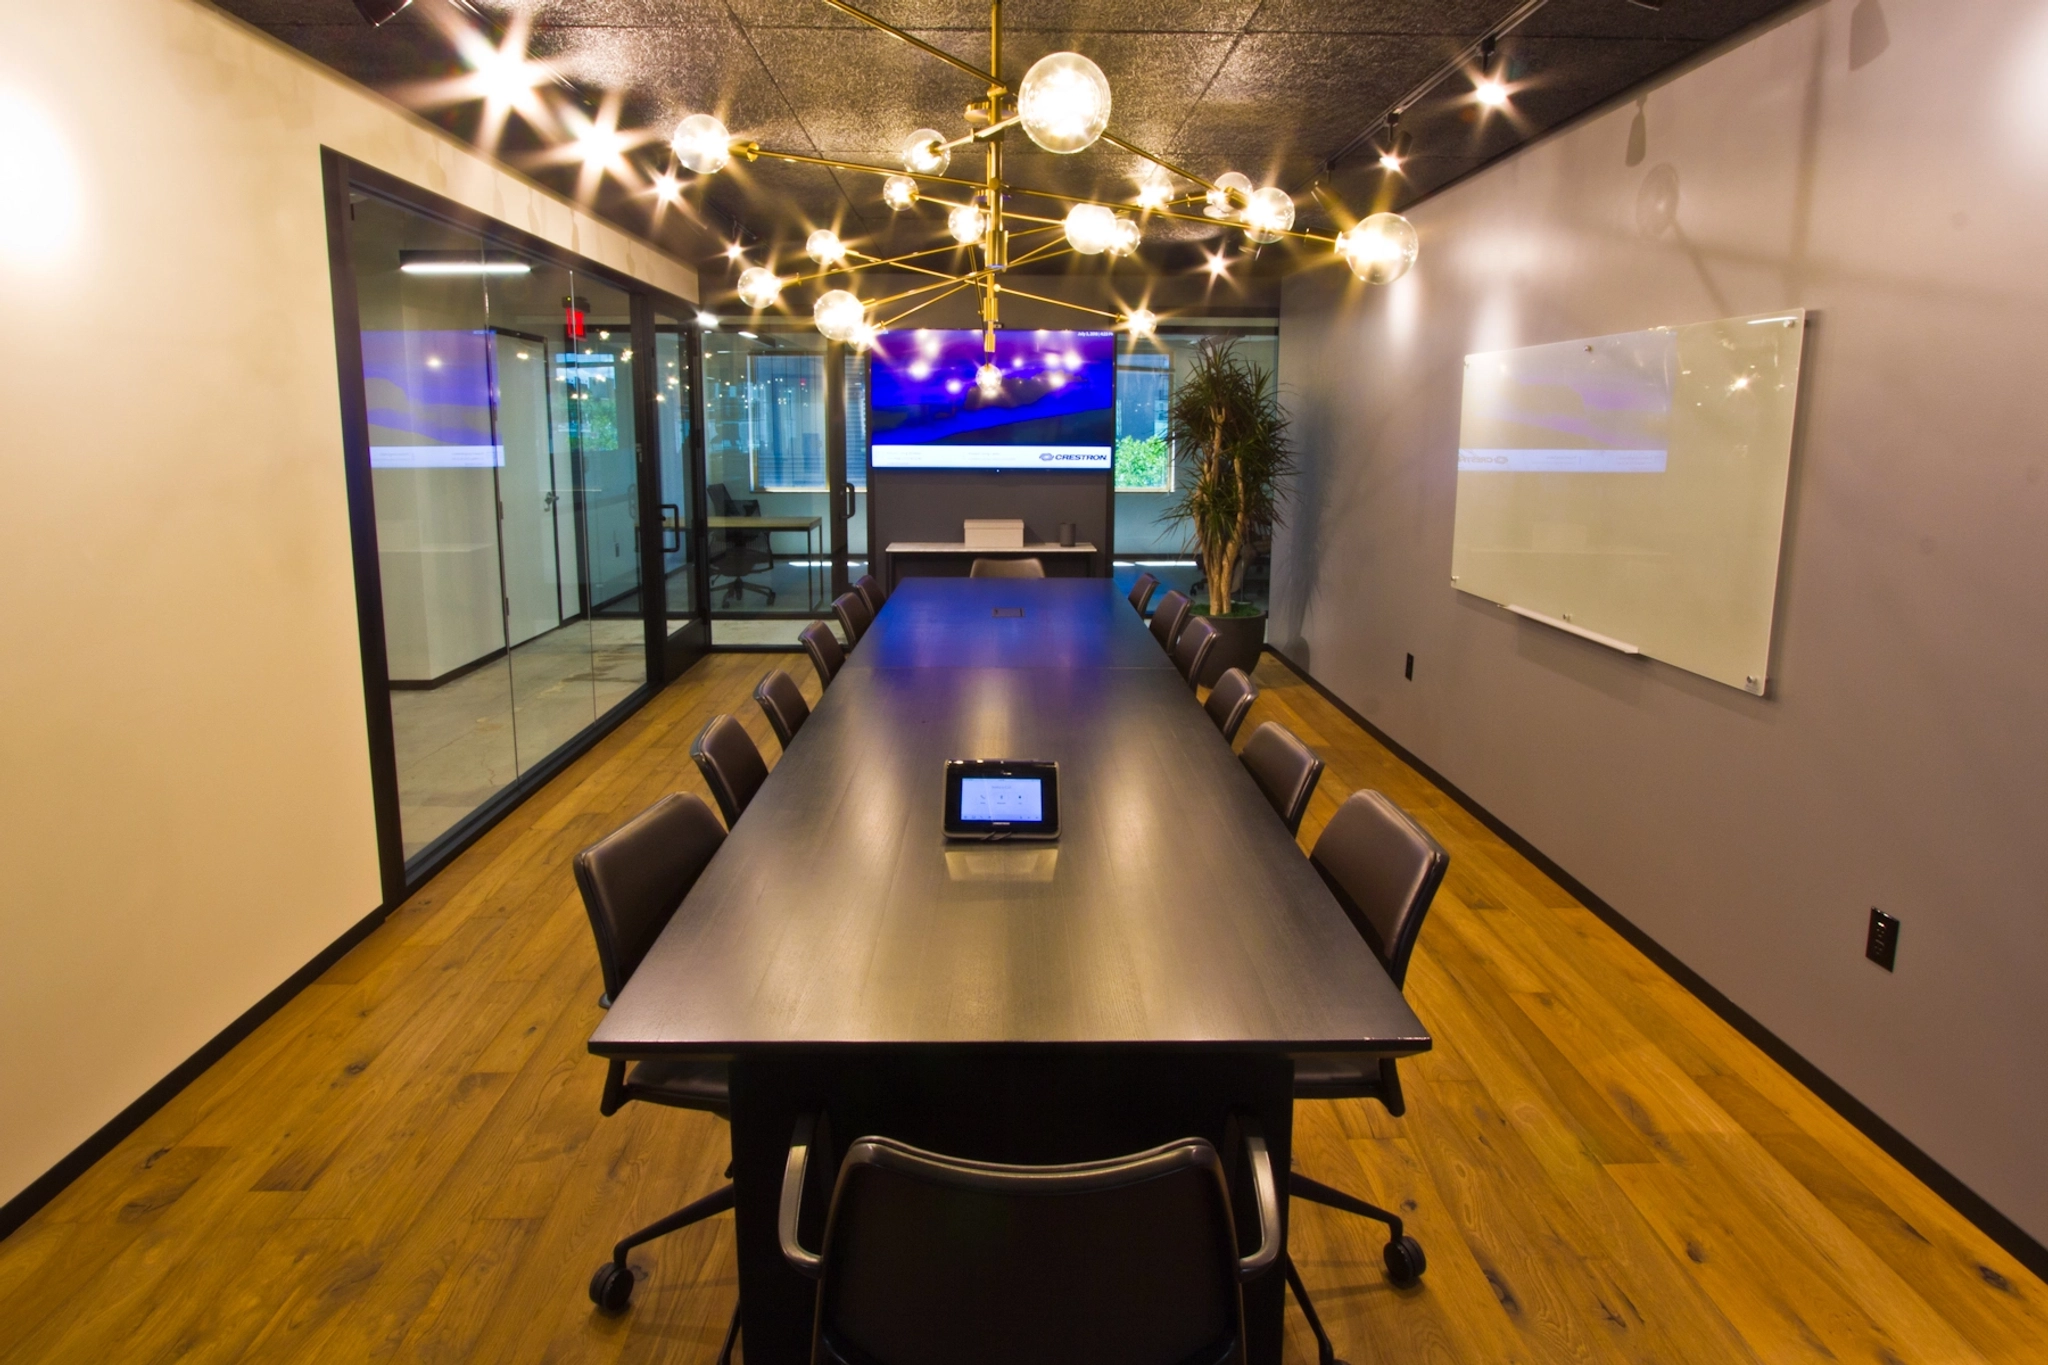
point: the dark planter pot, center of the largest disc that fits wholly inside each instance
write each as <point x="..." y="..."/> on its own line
<point x="1238" y="642"/>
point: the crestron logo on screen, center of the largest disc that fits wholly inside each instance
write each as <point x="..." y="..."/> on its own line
<point x="1048" y="402"/>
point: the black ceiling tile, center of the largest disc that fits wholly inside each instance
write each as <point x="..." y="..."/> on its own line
<point x="1694" y="21"/>
<point x="1468" y="18"/>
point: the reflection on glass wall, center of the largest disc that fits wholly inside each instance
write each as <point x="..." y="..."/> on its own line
<point x="767" y="502"/>
<point x="501" y="450"/>
<point x="672" y="439"/>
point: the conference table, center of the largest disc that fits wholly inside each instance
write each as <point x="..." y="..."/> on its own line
<point x="1150" y="975"/>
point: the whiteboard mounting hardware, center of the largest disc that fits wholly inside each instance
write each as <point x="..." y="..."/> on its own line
<point x="1619" y="646"/>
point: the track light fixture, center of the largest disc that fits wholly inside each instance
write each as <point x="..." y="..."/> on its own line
<point x="378" y="12"/>
<point x="1491" y="91"/>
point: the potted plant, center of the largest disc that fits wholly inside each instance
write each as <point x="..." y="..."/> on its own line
<point x="1227" y="427"/>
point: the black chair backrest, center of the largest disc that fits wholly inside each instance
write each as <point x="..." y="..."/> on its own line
<point x="1384" y="870"/>
<point x="731" y="765"/>
<point x="932" y="1260"/>
<point x="633" y="879"/>
<point x="1168" y="617"/>
<point x="1229" y="700"/>
<point x="867" y="586"/>
<point x="1286" y="770"/>
<point x="1141" y="591"/>
<point x="1006" y="568"/>
<point x="854" y="617"/>
<point x="782" y="701"/>
<point x="823" y="647"/>
<point x="1191" y="651"/>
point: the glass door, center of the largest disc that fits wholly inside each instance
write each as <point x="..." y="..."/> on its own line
<point x="675" y="422"/>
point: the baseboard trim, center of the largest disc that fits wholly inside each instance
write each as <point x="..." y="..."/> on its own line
<point x="2014" y="1239"/>
<point x="52" y="1182"/>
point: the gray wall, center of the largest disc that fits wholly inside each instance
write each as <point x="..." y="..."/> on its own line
<point x="1887" y="167"/>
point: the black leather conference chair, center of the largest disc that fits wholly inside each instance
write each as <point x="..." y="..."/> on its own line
<point x="1230" y="700"/>
<point x="929" y="1258"/>
<point x="1006" y="568"/>
<point x="1286" y="770"/>
<point x="1142" y="590"/>
<point x="1384" y="870"/>
<point x="632" y="882"/>
<point x="782" y="701"/>
<point x="854" y="616"/>
<point x="1191" y="651"/>
<point x="1168" y="617"/>
<point x="732" y="766"/>
<point x="823" y="647"/>
<point x="738" y="551"/>
<point x="869" y="587"/>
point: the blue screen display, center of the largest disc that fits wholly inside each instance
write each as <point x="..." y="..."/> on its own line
<point x="1055" y="407"/>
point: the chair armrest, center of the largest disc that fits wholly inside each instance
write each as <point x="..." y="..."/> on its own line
<point x="1267" y="1194"/>
<point x="793" y="1174"/>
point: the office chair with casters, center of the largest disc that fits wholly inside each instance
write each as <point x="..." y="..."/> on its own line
<point x="1142" y="590"/>
<point x="871" y="588"/>
<point x="1285" y="769"/>
<point x="740" y="551"/>
<point x="1129" y="1261"/>
<point x="1006" y="568"/>
<point x="854" y="617"/>
<point x="782" y="701"/>
<point x="732" y="766"/>
<point x="823" y="647"/>
<point x="633" y="880"/>
<point x="1384" y="870"/>
<point x="1229" y="700"/>
<point x="1168" y="618"/>
<point x="1191" y="651"/>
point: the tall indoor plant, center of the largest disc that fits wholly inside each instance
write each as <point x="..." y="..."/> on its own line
<point x="1231" y="435"/>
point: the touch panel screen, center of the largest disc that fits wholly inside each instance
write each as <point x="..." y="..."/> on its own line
<point x="1002" y="798"/>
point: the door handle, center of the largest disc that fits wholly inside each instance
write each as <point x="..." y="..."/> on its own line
<point x="671" y="524"/>
<point x="849" y="502"/>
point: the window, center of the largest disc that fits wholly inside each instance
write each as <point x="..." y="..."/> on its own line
<point x="1144" y="389"/>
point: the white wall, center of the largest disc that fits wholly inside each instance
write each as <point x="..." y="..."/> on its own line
<point x="1901" y="759"/>
<point x="184" y="785"/>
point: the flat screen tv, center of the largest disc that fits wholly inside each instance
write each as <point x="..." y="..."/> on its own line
<point x="1055" y="408"/>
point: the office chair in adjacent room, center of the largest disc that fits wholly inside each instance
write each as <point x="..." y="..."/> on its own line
<point x="1191" y="651"/>
<point x="823" y="646"/>
<point x="1384" y="870"/>
<point x="732" y="766"/>
<point x="633" y="880"/>
<point x="1006" y="568"/>
<point x="1142" y="590"/>
<point x="738" y="551"/>
<point x="854" y="616"/>
<point x="782" y="701"/>
<point x="1229" y="701"/>
<point x="1168" y="618"/>
<point x="1129" y="1261"/>
<point x="868" y="586"/>
<point x="1285" y="769"/>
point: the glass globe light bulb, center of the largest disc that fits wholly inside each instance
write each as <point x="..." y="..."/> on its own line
<point x="1141" y="322"/>
<point x="1380" y="249"/>
<point x="1219" y="204"/>
<point x="926" y="152"/>
<point x="759" y="287"/>
<point x="839" y="315"/>
<point x="989" y="379"/>
<point x="967" y="223"/>
<point x="1063" y="102"/>
<point x="1269" y="214"/>
<point x="702" y="144"/>
<point x="899" y="192"/>
<point x="1128" y="235"/>
<point x="1091" y="229"/>
<point x="824" y="247"/>
<point x="1154" y="194"/>
<point x="863" y="337"/>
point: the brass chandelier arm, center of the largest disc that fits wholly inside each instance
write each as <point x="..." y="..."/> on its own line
<point x="964" y="284"/>
<point x="918" y="269"/>
<point x="1041" y="253"/>
<point x="1060" y="303"/>
<point x="957" y="281"/>
<point x="754" y="150"/>
<point x="920" y="44"/>
<point x="1134" y="208"/>
<point x="1135" y="150"/>
<point x="867" y="263"/>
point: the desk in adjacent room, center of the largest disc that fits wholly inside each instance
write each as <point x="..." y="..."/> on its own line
<point x="951" y="559"/>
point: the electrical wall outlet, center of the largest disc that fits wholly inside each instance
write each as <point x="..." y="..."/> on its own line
<point x="1409" y="673"/>
<point x="1881" y="945"/>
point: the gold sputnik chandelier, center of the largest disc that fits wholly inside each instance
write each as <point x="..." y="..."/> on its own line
<point x="1063" y="106"/>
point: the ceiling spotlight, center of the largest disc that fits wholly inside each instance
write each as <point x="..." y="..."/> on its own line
<point x="1217" y="264"/>
<point x="899" y="192"/>
<point x="1395" y="153"/>
<point x="1091" y="229"/>
<point x="1490" y="90"/>
<point x="1380" y="249"/>
<point x="667" y="188"/>
<point x="926" y="152"/>
<point x="1268" y="215"/>
<point x="702" y="144"/>
<point x="708" y="321"/>
<point x="734" y="251"/>
<point x="378" y="12"/>
<point x="825" y="248"/>
<point x="967" y="223"/>
<point x="1141" y="322"/>
<point x="989" y="379"/>
<point x="1233" y="190"/>
<point x="1064" y="102"/>
<point x="839" y="315"/>
<point x="759" y="288"/>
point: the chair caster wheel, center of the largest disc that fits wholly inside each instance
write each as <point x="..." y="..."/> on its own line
<point x="1405" y="1261"/>
<point x="611" y="1288"/>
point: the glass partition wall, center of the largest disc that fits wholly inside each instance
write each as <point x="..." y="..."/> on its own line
<point x="506" y="416"/>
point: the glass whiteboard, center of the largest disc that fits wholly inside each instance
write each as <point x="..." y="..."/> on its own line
<point x="1631" y="488"/>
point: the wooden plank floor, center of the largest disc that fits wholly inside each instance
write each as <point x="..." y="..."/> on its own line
<point x="407" y="1161"/>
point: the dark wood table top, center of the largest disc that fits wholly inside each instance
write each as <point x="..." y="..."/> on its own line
<point x="1174" y="910"/>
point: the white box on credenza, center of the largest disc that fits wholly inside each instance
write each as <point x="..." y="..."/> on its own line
<point x="993" y="535"/>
